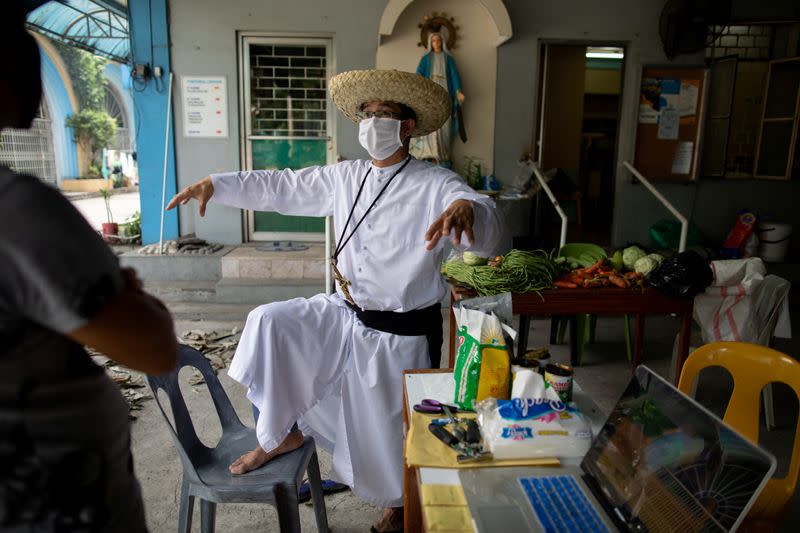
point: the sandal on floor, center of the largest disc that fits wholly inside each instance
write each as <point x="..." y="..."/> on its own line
<point x="373" y="530"/>
<point x="328" y="487"/>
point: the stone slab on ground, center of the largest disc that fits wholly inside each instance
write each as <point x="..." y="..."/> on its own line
<point x="176" y="267"/>
<point x="250" y="262"/>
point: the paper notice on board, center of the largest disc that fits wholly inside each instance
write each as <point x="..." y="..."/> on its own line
<point x="205" y="106"/>
<point x="668" y="124"/>
<point x="682" y="161"/>
<point x="649" y="94"/>
<point x="687" y="102"/>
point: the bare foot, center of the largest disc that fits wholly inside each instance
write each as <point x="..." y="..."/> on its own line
<point x="257" y="457"/>
<point x="391" y="520"/>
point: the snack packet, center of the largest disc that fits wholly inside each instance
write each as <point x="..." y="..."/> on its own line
<point x="483" y="364"/>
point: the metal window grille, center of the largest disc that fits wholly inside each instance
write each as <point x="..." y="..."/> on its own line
<point x="747" y="42"/>
<point x="287" y="87"/>
<point x="31" y="151"/>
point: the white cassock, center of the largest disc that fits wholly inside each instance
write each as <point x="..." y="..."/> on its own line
<point x="312" y="360"/>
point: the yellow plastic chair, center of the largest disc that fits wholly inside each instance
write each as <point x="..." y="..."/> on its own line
<point x="752" y="367"/>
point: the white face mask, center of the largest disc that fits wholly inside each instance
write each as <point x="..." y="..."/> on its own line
<point x="379" y="136"/>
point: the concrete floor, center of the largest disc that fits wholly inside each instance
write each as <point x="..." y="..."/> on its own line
<point x="604" y="373"/>
<point x="123" y="206"/>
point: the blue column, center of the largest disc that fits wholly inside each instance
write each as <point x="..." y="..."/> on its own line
<point x="149" y="30"/>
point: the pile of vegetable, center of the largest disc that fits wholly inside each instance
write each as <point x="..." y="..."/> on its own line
<point x="636" y="259"/>
<point x="579" y="254"/>
<point x="598" y="275"/>
<point x="517" y="271"/>
<point x="625" y="268"/>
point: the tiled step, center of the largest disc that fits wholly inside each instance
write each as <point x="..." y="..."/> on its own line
<point x="248" y="262"/>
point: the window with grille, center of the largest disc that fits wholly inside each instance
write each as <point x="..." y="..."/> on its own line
<point x="30" y="151"/>
<point x="287" y="90"/>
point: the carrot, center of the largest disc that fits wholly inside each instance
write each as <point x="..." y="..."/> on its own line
<point x="594" y="267"/>
<point x="619" y="282"/>
<point x="563" y="284"/>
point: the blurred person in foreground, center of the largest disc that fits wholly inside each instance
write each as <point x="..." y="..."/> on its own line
<point x="65" y="459"/>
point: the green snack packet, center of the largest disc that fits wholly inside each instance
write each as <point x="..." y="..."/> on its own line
<point x="483" y="365"/>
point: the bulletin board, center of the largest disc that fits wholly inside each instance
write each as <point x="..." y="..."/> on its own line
<point x="670" y="122"/>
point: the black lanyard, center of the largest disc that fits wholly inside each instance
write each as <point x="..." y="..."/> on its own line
<point x="342" y="240"/>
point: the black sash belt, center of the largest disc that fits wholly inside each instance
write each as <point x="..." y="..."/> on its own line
<point x="427" y="321"/>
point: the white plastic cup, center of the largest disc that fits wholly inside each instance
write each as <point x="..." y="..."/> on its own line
<point x="774" y="241"/>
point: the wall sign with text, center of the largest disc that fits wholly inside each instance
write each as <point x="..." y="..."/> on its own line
<point x="205" y="106"/>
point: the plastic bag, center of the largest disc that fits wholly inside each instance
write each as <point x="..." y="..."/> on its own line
<point x="533" y="427"/>
<point x="483" y="363"/>
<point x="684" y="275"/>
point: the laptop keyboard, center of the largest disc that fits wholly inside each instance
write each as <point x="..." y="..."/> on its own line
<point x="561" y="505"/>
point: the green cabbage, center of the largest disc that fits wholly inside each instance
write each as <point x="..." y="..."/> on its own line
<point x="630" y="255"/>
<point x="645" y="265"/>
<point x="473" y="260"/>
<point x="616" y="261"/>
<point x="656" y="257"/>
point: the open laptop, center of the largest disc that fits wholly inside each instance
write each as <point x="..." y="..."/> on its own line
<point x="661" y="462"/>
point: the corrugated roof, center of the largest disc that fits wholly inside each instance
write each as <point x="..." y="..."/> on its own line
<point x="100" y="26"/>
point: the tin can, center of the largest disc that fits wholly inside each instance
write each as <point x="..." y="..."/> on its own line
<point x="559" y="378"/>
<point x="542" y="355"/>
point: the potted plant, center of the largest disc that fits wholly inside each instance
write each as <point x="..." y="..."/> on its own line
<point x="110" y="228"/>
<point x="131" y="230"/>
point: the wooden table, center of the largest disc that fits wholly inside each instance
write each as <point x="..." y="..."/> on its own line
<point x="597" y="301"/>
<point x="438" y="384"/>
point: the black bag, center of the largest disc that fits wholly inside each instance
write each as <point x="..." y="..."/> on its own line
<point x="684" y="275"/>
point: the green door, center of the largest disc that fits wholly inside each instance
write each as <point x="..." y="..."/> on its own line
<point x="288" y="121"/>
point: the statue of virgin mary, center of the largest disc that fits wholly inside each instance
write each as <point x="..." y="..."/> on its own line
<point x="439" y="66"/>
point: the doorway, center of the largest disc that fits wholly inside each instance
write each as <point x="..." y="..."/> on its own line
<point x="580" y="92"/>
<point x="286" y="120"/>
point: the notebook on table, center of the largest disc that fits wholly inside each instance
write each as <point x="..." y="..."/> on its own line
<point x="661" y="462"/>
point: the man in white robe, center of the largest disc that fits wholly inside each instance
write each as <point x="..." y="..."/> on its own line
<point x="316" y="362"/>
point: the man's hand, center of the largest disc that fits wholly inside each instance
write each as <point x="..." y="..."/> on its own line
<point x="460" y="97"/>
<point x="459" y="218"/>
<point x="202" y="191"/>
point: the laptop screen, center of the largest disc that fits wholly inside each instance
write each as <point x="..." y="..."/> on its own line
<point x="667" y="464"/>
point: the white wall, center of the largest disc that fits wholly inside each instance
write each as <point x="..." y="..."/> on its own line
<point x="711" y="203"/>
<point x="632" y="22"/>
<point x="204" y="42"/>
<point x="476" y="58"/>
<point x="203" y="36"/>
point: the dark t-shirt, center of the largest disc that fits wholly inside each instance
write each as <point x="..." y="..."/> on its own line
<point x="65" y="462"/>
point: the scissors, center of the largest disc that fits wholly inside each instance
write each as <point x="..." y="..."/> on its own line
<point x="435" y="407"/>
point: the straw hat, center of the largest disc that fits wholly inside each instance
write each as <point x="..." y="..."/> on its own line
<point x="431" y="102"/>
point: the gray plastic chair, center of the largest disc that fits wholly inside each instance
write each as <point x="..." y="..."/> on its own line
<point x="205" y="470"/>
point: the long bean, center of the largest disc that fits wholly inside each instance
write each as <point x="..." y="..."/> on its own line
<point x="520" y="271"/>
